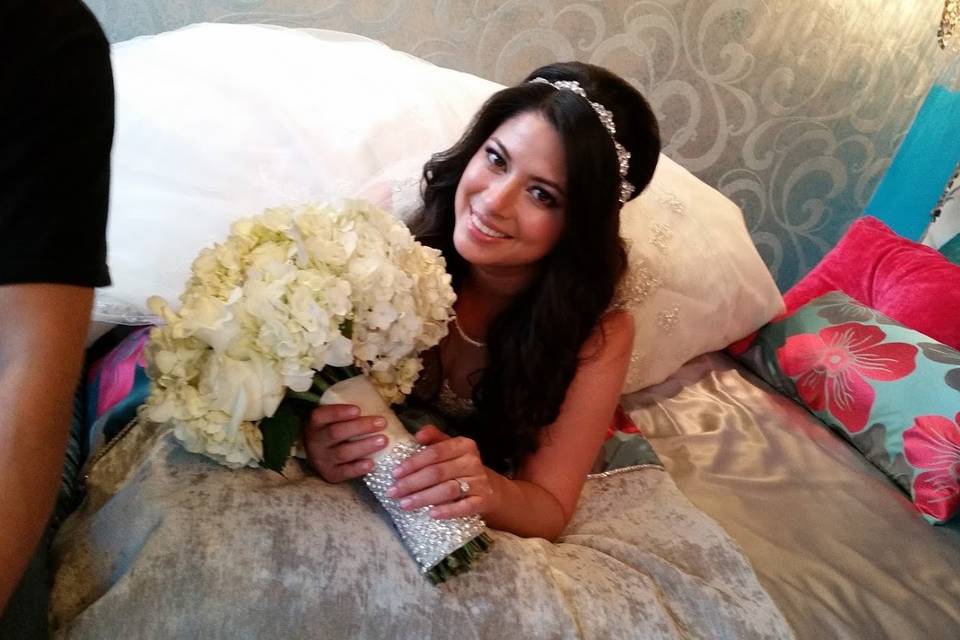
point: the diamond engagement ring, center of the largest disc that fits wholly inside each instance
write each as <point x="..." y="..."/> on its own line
<point x="464" y="488"/>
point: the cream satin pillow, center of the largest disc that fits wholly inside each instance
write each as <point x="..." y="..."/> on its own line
<point x="696" y="282"/>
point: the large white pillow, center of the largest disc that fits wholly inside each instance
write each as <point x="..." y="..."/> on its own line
<point x="218" y="121"/>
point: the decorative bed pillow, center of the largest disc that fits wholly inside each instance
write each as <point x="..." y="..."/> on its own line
<point x="907" y="281"/>
<point x="219" y="121"/>
<point x="696" y="282"/>
<point x="893" y="392"/>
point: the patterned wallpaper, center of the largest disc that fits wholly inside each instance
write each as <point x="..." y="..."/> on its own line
<point x="792" y="109"/>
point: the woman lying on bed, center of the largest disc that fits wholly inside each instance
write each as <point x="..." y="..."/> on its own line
<point x="525" y="208"/>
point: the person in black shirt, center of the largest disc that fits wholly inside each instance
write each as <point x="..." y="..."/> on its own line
<point x="56" y="131"/>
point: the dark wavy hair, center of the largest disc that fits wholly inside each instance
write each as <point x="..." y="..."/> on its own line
<point x="533" y="344"/>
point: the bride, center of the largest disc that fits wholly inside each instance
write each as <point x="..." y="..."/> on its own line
<point x="525" y="208"/>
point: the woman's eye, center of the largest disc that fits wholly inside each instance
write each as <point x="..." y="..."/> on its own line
<point x="544" y="197"/>
<point x="495" y="159"/>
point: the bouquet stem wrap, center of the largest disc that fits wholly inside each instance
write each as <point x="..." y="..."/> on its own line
<point x="440" y="547"/>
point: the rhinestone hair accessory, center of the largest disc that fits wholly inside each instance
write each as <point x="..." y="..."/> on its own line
<point x="606" y="119"/>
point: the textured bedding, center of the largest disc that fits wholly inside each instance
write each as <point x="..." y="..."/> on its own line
<point x="838" y="546"/>
<point x="169" y="545"/>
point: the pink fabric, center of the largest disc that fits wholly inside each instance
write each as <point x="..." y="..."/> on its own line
<point x="115" y="372"/>
<point x="832" y="368"/>
<point x="909" y="282"/>
<point x="932" y="445"/>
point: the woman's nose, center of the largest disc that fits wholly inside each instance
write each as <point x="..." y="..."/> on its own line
<point x="499" y="196"/>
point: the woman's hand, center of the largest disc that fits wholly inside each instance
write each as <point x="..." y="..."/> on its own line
<point x="338" y="438"/>
<point x="432" y="477"/>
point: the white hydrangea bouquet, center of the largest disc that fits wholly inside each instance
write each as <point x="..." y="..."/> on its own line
<point x="300" y="306"/>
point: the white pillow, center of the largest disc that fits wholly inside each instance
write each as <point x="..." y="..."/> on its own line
<point x="219" y="121"/>
<point x="696" y="282"/>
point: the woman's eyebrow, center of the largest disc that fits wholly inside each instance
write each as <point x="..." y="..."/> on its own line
<point x="506" y="154"/>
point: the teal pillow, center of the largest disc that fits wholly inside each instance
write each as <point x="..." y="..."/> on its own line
<point x="891" y="391"/>
<point x="951" y="250"/>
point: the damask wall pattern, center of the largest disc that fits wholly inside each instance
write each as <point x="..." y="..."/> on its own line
<point x="792" y="109"/>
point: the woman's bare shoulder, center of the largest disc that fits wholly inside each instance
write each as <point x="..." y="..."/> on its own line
<point x="612" y="335"/>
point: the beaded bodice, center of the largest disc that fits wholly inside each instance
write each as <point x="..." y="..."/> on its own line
<point x="433" y="389"/>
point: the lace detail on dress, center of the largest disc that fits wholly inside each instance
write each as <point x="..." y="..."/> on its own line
<point x="450" y="404"/>
<point x="433" y="390"/>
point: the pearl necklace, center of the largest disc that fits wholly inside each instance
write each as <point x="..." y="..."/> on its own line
<point x="466" y="338"/>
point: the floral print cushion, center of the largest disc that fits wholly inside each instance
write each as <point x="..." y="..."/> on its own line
<point x="892" y="392"/>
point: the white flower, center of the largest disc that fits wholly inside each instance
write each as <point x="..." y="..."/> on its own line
<point x="267" y="308"/>
<point x="249" y="389"/>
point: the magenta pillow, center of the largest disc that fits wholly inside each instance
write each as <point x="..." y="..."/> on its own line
<point x="907" y="281"/>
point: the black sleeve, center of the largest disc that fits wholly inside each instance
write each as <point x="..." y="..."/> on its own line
<point x="56" y="131"/>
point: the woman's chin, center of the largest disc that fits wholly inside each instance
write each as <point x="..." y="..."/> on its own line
<point x="469" y="251"/>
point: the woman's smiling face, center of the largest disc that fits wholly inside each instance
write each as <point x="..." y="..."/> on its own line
<point x="510" y="202"/>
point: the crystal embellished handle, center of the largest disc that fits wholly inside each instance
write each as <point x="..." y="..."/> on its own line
<point x="430" y="541"/>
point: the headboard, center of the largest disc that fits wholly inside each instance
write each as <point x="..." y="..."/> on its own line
<point x="793" y="110"/>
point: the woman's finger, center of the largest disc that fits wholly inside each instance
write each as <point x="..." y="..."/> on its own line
<point x="430" y="435"/>
<point x="460" y="509"/>
<point x="354" y="450"/>
<point x="448" y="449"/>
<point x="354" y="429"/>
<point x="432" y="475"/>
<point x="334" y="433"/>
<point x="349" y="471"/>
<point x="327" y="413"/>
<point x="447" y="492"/>
<point x="441" y="493"/>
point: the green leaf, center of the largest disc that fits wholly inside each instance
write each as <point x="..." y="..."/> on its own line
<point x="304" y="395"/>
<point x="460" y="560"/>
<point x="280" y="431"/>
<point x="953" y="378"/>
<point x="939" y="352"/>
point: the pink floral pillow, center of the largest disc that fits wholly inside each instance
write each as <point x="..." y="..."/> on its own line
<point x="893" y="392"/>
<point x="909" y="282"/>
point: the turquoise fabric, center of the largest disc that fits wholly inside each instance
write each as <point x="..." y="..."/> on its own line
<point x="912" y="185"/>
<point x="951" y="250"/>
<point x="892" y="392"/>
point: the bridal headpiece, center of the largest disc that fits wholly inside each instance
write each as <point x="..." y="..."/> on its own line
<point x="606" y="118"/>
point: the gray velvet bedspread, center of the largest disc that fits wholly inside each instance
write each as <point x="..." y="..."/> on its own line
<point x="169" y="545"/>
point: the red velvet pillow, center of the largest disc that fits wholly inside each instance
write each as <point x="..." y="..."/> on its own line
<point x="909" y="282"/>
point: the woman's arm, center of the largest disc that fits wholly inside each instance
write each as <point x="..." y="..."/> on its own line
<point x="541" y="498"/>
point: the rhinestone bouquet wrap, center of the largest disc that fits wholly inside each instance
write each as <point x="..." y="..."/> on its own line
<point x="294" y="301"/>
<point x="441" y="547"/>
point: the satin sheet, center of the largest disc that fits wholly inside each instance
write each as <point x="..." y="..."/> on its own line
<point x="840" y="549"/>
